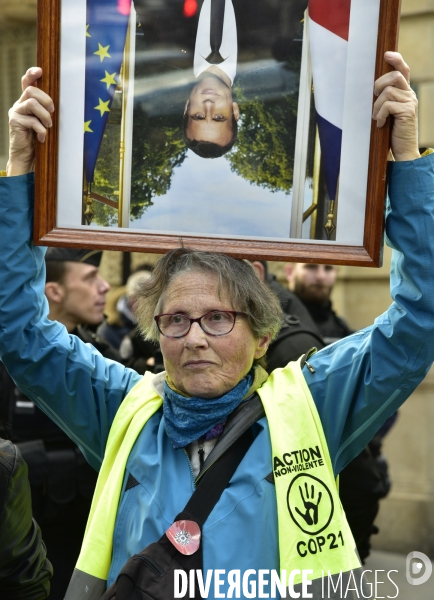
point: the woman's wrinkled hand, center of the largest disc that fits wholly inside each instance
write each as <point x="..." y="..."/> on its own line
<point x="397" y="99"/>
<point x="29" y="118"/>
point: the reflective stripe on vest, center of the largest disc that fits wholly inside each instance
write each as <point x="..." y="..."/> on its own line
<point x="313" y="531"/>
<point x="93" y="564"/>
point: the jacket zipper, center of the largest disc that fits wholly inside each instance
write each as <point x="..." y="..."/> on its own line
<point x="201" y="452"/>
<point x="191" y="469"/>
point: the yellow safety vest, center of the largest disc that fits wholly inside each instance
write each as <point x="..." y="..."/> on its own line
<point x="313" y="530"/>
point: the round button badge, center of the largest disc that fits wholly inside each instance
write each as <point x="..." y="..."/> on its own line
<point x="185" y="536"/>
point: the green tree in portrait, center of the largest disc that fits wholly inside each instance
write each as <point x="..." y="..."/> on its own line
<point x="106" y="174"/>
<point x="158" y="148"/>
<point x="264" y="152"/>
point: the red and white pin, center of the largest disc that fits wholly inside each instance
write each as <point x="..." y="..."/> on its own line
<point x="185" y="536"/>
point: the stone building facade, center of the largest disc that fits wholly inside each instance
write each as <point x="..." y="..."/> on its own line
<point x="17" y="54"/>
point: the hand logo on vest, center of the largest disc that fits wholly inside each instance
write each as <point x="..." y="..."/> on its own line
<point x="311" y="519"/>
<point x="310" y="504"/>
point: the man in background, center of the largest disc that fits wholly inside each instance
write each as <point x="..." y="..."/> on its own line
<point x="364" y="480"/>
<point x="120" y="328"/>
<point x="62" y="482"/>
<point x="298" y="333"/>
<point x="119" y="317"/>
<point x="313" y="285"/>
<point x="76" y="294"/>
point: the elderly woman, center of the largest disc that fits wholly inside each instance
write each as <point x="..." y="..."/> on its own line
<point x="153" y="438"/>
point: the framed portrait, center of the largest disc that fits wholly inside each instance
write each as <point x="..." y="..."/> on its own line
<point x="240" y="126"/>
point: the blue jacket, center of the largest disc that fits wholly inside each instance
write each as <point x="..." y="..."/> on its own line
<point x="358" y="381"/>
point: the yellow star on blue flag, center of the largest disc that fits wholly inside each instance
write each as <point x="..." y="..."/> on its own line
<point x="102" y="52"/>
<point x="109" y="79"/>
<point x="102" y="106"/>
<point x="106" y="31"/>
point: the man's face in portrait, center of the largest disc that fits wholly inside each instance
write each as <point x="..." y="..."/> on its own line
<point x="210" y="110"/>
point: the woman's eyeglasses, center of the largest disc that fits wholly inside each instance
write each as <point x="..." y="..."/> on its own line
<point x="215" y="322"/>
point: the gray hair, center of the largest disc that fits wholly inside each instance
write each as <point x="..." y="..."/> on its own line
<point x="238" y="278"/>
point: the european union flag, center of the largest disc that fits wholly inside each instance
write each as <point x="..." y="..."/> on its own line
<point x="106" y="30"/>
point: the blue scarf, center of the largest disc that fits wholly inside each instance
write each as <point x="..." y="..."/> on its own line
<point x="187" y="419"/>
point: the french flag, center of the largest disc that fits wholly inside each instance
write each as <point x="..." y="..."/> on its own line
<point x="329" y="24"/>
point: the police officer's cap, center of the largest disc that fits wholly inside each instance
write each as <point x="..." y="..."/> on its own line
<point x="81" y="255"/>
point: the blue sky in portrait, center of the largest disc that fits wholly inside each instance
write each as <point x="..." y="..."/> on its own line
<point x="220" y="202"/>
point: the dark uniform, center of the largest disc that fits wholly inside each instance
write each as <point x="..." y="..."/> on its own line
<point x="62" y="482"/>
<point x="298" y="333"/>
<point x="332" y="327"/>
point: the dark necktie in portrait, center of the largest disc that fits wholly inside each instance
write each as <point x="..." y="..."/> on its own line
<point x="216" y="31"/>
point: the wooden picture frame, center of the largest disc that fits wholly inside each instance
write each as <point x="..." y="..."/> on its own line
<point x="52" y="188"/>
